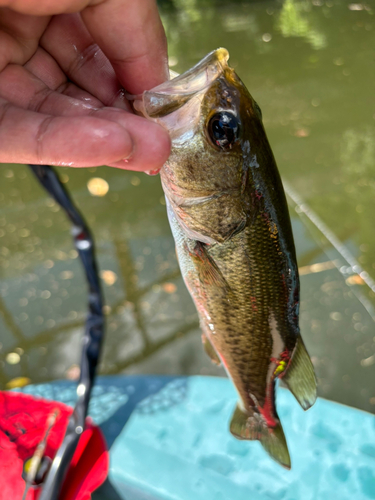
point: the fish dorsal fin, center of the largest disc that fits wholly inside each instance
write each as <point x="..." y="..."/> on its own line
<point x="300" y="376"/>
<point x="245" y="426"/>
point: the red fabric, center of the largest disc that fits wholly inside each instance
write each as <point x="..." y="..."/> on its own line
<point x="22" y="427"/>
<point x="89" y="466"/>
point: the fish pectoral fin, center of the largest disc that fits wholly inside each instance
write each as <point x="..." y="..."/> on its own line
<point x="300" y="376"/>
<point x="210" y="350"/>
<point x="208" y="271"/>
<point x="244" y="426"/>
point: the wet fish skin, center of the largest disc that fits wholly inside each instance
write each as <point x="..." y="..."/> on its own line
<point x="229" y="217"/>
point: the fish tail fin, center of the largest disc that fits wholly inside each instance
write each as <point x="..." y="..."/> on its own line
<point x="300" y="376"/>
<point x="272" y="439"/>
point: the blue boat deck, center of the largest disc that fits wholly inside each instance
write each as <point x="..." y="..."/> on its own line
<point x="169" y="439"/>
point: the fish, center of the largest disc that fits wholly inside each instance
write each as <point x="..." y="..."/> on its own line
<point x="230" y="221"/>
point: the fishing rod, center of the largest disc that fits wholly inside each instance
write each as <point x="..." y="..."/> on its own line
<point x="93" y="334"/>
<point x="353" y="267"/>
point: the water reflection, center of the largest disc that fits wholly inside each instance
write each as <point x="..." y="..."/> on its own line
<point x="323" y="137"/>
<point x="296" y="19"/>
<point x="138" y="274"/>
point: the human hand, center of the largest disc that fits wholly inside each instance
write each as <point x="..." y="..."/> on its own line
<point x="63" y="67"/>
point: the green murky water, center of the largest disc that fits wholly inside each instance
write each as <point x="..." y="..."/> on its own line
<point x="310" y="66"/>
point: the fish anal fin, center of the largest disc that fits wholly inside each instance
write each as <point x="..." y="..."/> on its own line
<point x="210" y="351"/>
<point x="245" y="426"/>
<point x="300" y="376"/>
<point x="208" y="272"/>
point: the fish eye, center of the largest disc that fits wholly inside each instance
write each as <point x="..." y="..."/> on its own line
<point x="224" y="130"/>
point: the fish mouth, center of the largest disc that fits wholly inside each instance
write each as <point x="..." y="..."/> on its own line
<point x="173" y="94"/>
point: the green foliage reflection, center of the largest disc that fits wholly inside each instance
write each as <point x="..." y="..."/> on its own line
<point x="295" y="20"/>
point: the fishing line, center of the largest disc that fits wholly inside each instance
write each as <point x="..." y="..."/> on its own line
<point x="93" y="335"/>
<point x="354" y="267"/>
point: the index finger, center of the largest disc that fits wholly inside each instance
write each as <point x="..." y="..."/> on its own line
<point x="132" y="36"/>
<point x="129" y="32"/>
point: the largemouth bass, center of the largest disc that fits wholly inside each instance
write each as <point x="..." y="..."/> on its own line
<point x="229" y="218"/>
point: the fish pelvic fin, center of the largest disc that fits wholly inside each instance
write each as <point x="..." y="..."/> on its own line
<point x="244" y="426"/>
<point x="300" y="376"/>
<point x="210" y="350"/>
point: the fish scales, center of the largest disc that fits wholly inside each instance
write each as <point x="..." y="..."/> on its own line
<point x="229" y="218"/>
